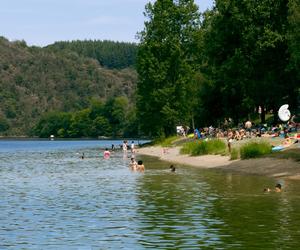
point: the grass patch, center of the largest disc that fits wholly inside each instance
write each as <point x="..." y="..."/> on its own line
<point x="166" y="142"/>
<point x="255" y="149"/>
<point x="234" y="154"/>
<point x="200" y="147"/>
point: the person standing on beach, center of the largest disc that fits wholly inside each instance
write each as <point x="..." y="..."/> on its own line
<point x="132" y="147"/>
<point x="229" y="140"/>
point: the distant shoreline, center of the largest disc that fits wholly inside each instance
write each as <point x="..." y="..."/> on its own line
<point x="274" y="168"/>
<point x="70" y="139"/>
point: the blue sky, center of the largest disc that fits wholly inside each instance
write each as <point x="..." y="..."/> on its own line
<point x="42" y="22"/>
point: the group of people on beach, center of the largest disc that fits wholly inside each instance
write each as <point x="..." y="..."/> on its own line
<point x="246" y="130"/>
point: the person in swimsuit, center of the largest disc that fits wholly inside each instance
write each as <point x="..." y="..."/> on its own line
<point x="140" y="166"/>
<point x="106" y="154"/>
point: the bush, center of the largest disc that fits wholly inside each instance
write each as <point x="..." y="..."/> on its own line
<point x="255" y="149"/>
<point x="234" y="154"/>
<point x="188" y="148"/>
<point x="200" y="147"/>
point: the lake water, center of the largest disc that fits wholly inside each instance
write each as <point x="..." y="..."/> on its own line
<point x="52" y="199"/>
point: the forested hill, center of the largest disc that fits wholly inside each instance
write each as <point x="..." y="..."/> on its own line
<point x="112" y="55"/>
<point x="36" y="80"/>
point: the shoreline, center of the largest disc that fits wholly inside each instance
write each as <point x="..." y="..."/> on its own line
<point x="270" y="167"/>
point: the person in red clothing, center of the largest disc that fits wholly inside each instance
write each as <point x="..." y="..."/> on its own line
<point x="106" y="154"/>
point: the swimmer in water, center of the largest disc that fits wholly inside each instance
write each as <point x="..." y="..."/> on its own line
<point x="133" y="164"/>
<point x="277" y="188"/>
<point x="106" y="154"/>
<point x="172" y="168"/>
<point x="140" y="166"/>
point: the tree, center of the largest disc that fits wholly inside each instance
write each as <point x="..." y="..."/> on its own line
<point x="100" y="127"/>
<point x="165" y="65"/>
<point x="293" y="34"/>
<point x="53" y="123"/>
<point x="4" y="125"/>
<point x="293" y="37"/>
<point x="116" y="110"/>
<point x="80" y="124"/>
<point x="247" y="55"/>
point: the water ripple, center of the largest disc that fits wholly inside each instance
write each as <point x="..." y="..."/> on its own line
<point x="51" y="199"/>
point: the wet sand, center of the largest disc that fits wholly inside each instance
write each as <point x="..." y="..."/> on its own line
<point x="261" y="166"/>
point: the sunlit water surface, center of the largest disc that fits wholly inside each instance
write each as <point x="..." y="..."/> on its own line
<point x="52" y="199"/>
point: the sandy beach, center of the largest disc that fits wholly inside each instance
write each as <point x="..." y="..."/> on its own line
<point x="262" y="166"/>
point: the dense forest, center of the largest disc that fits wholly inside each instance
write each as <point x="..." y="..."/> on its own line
<point x="112" y="55"/>
<point x="36" y="81"/>
<point x="238" y="60"/>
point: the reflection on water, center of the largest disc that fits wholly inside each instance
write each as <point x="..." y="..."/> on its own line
<point x="52" y="199"/>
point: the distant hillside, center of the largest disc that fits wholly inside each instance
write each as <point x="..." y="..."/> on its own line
<point x="36" y="80"/>
<point x="112" y="55"/>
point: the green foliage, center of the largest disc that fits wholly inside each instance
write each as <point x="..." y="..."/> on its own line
<point x="255" y="149"/>
<point x="115" y="118"/>
<point x="234" y="154"/>
<point x="166" y="66"/>
<point x="101" y="126"/>
<point x="116" y="111"/>
<point x="246" y="55"/>
<point x="200" y="147"/>
<point x="293" y="36"/>
<point x="113" y="55"/>
<point x="35" y="81"/>
<point x="53" y="123"/>
<point x="131" y="128"/>
<point x="166" y="142"/>
<point x="189" y="147"/>
<point x="4" y="125"/>
<point x="80" y="124"/>
<point x="193" y="70"/>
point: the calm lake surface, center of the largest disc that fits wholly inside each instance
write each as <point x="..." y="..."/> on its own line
<point x="52" y="199"/>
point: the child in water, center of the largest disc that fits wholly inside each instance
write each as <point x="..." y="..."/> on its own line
<point x="133" y="164"/>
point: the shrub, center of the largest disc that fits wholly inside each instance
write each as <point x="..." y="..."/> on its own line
<point x="255" y="149"/>
<point x="234" y="154"/>
<point x="200" y="147"/>
<point x="188" y="147"/>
